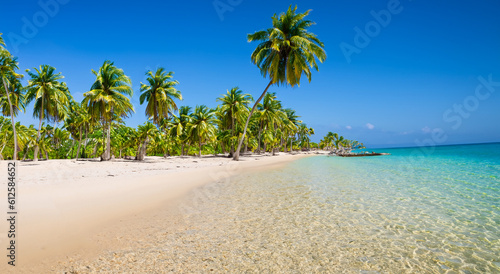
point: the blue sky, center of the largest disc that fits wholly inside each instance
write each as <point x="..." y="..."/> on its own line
<point x="427" y="74"/>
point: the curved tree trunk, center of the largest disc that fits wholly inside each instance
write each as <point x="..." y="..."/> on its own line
<point x="237" y="152"/>
<point x="141" y="155"/>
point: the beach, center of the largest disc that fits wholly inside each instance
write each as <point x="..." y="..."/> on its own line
<point x="265" y="214"/>
<point x="72" y="211"/>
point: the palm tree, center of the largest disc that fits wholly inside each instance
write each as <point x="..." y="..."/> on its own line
<point x="292" y="124"/>
<point x="309" y="133"/>
<point x="58" y="138"/>
<point x="202" y="126"/>
<point x="159" y="94"/>
<point x="145" y="133"/>
<point x="234" y="111"/>
<point x="269" y="115"/>
<point x="10" y="90"/>
<point x="179" y="126"/>
<point x="287" y="50"/>
<point x="2" y="42"/>
<point x="108" y="98"/>
<point x="51" y="97"/>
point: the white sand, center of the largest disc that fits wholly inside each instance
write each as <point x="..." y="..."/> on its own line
<point x="76" y="209"/>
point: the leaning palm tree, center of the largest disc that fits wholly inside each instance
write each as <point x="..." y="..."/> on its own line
<point x="51" y="97"/>
<point x="287" y="50"/>
<point x="159" y="94"/>
<point x="108" y="98"/>
<point x="11" y="92"/>
<point x="234" y="111"/>
<point x="202" y="126"/>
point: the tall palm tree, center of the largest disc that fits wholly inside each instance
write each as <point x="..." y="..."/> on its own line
<point x="202" y="126"/>
<point x="51" y="97"/>
<point x="287" y="50"/>
<point x="108" y="98"/>
<point x="234" y="111"/>
<point x="11" y="92"/>
<point x="159" y="94"/>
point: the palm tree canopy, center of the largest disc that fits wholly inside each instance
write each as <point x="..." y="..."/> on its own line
<point x="202" y="125"/>
<point x="234" y="106"/>
<point x="269" y="112"/>
<point x="2" y="42"/>
<point x="51" y="96"/>
<point x="179" y="123"/>
<point x="109" y="93"/>
<point x="287" y="50"/>
<point x="159" y="94"/>
<point x="11" y="80"/>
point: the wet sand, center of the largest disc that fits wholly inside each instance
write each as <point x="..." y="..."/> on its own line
<point x="71" y="212"/>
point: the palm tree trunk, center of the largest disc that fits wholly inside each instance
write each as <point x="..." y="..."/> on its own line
<point x="71" y="150"/>
<point x="86" y="142"/>
<point x="107" y="155"/>
<point x="260" y="134"/>
<point x="35" y="155"/>
<point x="199" y="151"/>
<point x="95" y="149"/>
<point x="237" y="152"/>
<point x="232" y="135"/>
<point x="14" y="156"/>
<point x="79" y="144"/>
<point x="1" y="151"/>
<point x="143" y="149"/>
<point x="182" y="149"/>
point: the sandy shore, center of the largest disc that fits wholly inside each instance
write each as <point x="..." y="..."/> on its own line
<point x="75" y="210"/>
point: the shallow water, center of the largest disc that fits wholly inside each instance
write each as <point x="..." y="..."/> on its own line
<point x="413" y="211"/>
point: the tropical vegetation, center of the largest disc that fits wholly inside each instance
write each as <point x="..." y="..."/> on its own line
<point x="95" y="127"/>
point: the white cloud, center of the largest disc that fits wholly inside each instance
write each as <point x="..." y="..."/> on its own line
<point x="426" y="129"/>
<point x="348" y="127"/>
<point x="370" y="126"/>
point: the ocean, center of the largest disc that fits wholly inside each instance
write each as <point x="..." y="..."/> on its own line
<point x="430" y="210"/>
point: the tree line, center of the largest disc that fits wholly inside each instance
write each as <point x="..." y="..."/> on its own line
<point x="95" y="127"/>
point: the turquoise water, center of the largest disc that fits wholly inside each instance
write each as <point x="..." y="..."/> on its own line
<point x="435" y="208"/>
<point x="418" y="210"/>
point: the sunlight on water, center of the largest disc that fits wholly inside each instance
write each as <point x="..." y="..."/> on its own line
<point x="438" y="213"/>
